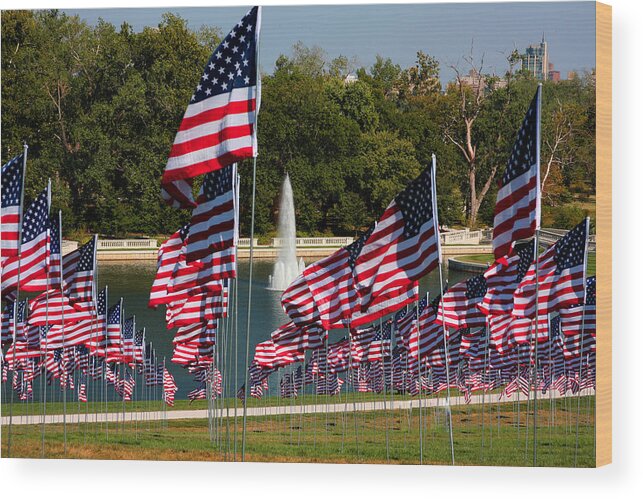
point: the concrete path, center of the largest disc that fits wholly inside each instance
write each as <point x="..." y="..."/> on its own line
<point x="273" y="410"/>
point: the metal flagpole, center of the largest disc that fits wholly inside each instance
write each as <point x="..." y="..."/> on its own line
<point x="444" y="328"/>
<point x="15" y="309"/>
<point x="252" y="234"/>
<point x="582" y="337"/>
<point x="538" y="194"/>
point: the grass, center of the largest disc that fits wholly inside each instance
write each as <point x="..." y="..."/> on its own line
<point x="337" y="438"/>
<point x="487" y="258"/>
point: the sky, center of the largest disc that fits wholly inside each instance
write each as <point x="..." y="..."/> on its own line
<point x="398" y="31"/>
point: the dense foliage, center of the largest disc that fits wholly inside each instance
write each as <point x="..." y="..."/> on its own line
<point x="99" y="107"/>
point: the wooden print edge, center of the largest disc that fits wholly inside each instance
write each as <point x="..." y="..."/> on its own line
<point x="604" y="233"/>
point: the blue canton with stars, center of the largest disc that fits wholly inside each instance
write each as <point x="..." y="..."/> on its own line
<point x="86" y="262"/>
<point x="570" y="250"/>
<point x="101" y="302"/>
<point x="12" y="182"/>
<point x="476" y="287"/>
<point x="523" y="153"/>
<point x="217" y="183"/>
<point x="138" y="338"/>
<point x="128" y="329"/>
<point x="36" y="218"/>
<point x="114" y="314"/>
<point x="590" y="291"/>
<point x="54" y="235"/>
<point x="233" y="63"/>
<point x="355" y="248"/>
<point x="526" y="258"/>
<point x="416" y="204"/>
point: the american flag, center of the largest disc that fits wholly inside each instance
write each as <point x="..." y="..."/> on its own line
<point x="12" y="329"/>
<point x="561" y="276"/>
<point x="299" y="304"/>
<point x="404" y="246"/>
<point x="332" y="285"/>
<point x="380" y="346"/>
<point x="192" y="353"/>
<point x="52" y="278"/>
<point x="82" y="388"/>
<point x="198" y="308"/>
<point x="79" y="268"/>
<point x="503" y="277"/>
<point x="205" y="275"/>
<point x="203" y="333"/>
<point x="266" y="356"/>
<point x="404" y="322"/>
<point x="168" y="257"/>
<point x="458" y="307"/>
<point x="114" y="348"/>
<point x="8" y="314"/>
<point x="572" y="318"/>
<point x="218" y="127"/>
<point x="98" y="326"/>
<point x="212" y="226"/>
<point x="338" y="356"/>
<point x="52" y="307"/>
<point x="12" y="183"/>
<point x="127" y="341"/>
<point x="517" y="212"/>
<point x="31" y="266"/>
<point x="290" y="339"/>
<point x="199" y="393"/>
<point x="360" y="342"/>
<point x="427" y="335"/>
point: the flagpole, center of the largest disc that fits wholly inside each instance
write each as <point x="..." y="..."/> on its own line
<point x="538" y="197"/>
<point x="444" y="328"/>
<point x="15" y="309"/>
<point x="582" y="337"/>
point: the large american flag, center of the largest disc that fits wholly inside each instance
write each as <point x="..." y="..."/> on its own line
<point x="212" y="226"/>
<point x="218" y="127"/>
<point x="561" y="276"/>
<point x="332" y="285"/>
<point x="517" y="211"/>
<point x="299" y="304"/>
<point x="503" y="277"/>
<point x="458" y="306"/>
<point x="12" y="183"/>
<point x="404" y="246"/>
<point x="203" y="333"/>
<point x="427" y="335"/>
<point x="198" y="308"/>
<point x="32" y="263"/>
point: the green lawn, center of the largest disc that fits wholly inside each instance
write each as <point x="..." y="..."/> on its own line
<point x="341" y="438"/>
<point x="487" y="258"/>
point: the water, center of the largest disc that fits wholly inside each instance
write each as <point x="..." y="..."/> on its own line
<point x="286" y="267"/>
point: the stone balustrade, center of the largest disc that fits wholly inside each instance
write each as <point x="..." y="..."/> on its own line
<point x="126" y="244"/>
<point x="315" y="241"/>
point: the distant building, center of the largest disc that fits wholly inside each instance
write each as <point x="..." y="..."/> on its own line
<point x="473" y="80"/>
<point x="552" y="74"/>
<point x="535" y="60"/>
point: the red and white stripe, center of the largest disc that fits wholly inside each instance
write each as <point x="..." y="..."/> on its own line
<point x="555" y="291"/>
<point x="167" y="258"/>
<point x="332" y="285"/>
<point x="213" y="133"/>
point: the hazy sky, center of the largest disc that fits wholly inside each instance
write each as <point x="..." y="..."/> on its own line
<point x="398" y="31"/>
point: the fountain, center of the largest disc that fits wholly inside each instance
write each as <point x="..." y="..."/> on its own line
<point x="286" y="267"/>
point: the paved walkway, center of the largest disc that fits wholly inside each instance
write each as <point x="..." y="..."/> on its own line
<point x="273" y="410"/>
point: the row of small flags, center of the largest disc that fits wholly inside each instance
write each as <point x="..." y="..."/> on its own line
<point x="67" y="327"/>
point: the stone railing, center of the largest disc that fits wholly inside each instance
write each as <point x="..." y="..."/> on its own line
<point x="244" y="242"/>
<point x="465" y="236"/>
<point x="125" y="244"/>
<point x="315" y="241"/>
